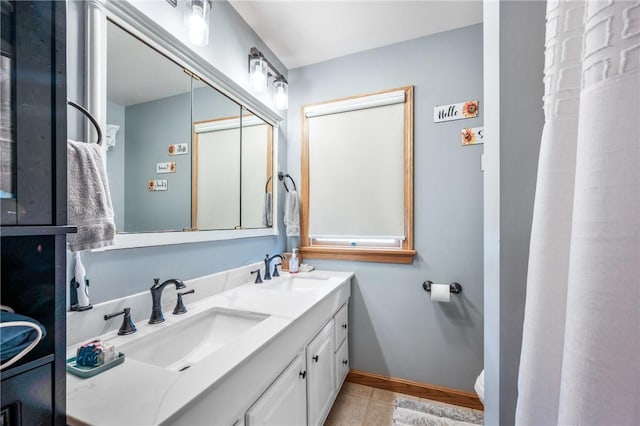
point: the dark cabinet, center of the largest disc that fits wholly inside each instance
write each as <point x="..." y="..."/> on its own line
<point x="33" y="117"/>
<point x="27" y="398"/>
<point x="33" y="217"/>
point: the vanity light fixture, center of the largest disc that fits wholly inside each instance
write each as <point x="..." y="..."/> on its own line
<point x="196" y="17"/>
<point x="281" y="93"/>
<point x="259" y="72"/>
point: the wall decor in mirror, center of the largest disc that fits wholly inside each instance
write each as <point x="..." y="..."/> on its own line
<point x="187" y="149"/>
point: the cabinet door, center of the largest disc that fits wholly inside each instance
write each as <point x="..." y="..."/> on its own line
<point x="321" y="389"/>
<point x="284" y="403"/>
<point x="341" y="319"/>
<point x="342" y="363"/>
<point x="26" y="398"/>
<point x="33" y="140"/>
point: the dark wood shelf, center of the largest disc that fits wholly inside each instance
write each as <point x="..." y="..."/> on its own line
<point x="21" y="368"/>
<point x="25" y="231"/>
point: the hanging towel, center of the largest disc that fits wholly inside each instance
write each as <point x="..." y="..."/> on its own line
<point x="17" y="335"/>
<point x="292" y="214"/>
<point x="267" y="218"/>
<point x="88" y="198"/>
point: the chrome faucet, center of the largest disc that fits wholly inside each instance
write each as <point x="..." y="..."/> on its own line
<point x="156" y="295"/>
<point x="267" y="265"/>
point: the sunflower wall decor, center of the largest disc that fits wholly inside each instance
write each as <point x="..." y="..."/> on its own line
<point x="169" y="167"/>
<point x="178" y="149"/>
<point x="472" y="135"/>
<point x="458" y="111"/>
<point x="157" y="185"/>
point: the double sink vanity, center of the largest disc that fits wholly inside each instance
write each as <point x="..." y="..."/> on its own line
<point x="242" y="354"/>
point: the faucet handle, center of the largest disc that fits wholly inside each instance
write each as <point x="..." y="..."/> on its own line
<point x="258" y="277"/>
<point x="127" y="326"/>
<point x="180" y="308"/>
<point x="275" y="270"/>
<point x="156" y="281"/>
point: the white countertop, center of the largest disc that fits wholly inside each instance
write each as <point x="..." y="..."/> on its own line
<point x="135" y="393"/>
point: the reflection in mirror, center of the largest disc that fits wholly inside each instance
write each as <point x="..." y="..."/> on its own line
<point x="231" y="180"/>
<point x="256" y="172"/>
<point x="181" y="155"/>
<point x="216" y="161"/>
<point x="149" y="108"/>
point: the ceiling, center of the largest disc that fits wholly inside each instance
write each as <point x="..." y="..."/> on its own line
<point x="137" y="73"/>
<point x="304" y="32"/>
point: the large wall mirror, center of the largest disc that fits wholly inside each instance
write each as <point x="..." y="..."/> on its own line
<point x="182" y="156"/>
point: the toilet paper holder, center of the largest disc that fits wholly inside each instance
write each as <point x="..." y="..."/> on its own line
<point x="454" y="287"/>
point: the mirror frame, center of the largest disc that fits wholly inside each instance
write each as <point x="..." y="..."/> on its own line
<point x="141" y="26"/>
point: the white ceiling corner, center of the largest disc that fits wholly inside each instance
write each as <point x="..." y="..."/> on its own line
<point x="303" y="32"/>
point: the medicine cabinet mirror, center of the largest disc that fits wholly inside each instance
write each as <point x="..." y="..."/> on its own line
<point x="182" y="155"/>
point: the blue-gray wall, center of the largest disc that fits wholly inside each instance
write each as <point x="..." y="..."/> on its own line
<point x="152" y="127"/>
<point x="395" y="329"/>
<point x="122" y="272"/>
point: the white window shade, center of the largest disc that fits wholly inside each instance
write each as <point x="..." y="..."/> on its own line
<point x="218" y="169"/>
<point x="254" y="174"/>
<point x="356" y="169"/>
<point x="362" y="102"/>
<point x="230" y="123"/>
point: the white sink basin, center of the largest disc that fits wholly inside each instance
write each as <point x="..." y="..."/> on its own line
<point x="178" y="346"/>
<point x="296" y="284"/>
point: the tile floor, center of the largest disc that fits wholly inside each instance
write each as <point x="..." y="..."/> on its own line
<point x="359" y="405"/>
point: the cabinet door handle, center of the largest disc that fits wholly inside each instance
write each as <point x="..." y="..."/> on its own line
<point x="344" y="326"/>
<point x="303" y="374"/>
<point x="345" y="362"/>
<point x="315" y="358"/>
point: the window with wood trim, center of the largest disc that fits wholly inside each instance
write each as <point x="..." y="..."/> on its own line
<point x="357" y="178"/>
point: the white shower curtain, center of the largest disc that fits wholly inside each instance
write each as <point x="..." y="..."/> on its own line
<point x="580" y="361"/>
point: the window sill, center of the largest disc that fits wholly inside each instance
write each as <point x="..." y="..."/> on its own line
<point x="359" y="254"/>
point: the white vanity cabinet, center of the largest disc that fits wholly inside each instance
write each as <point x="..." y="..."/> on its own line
<point x="341" y="327"/>
<point x="304" y="392"/>
<point x="321" y="391"/>
<point x="282" y="371"/>
<point x="284" y="402"/>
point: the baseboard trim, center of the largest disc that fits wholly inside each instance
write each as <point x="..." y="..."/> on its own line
<point x="420" y="390"/>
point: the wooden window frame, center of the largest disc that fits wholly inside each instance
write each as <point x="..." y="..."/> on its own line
<point x="403" y="254"/>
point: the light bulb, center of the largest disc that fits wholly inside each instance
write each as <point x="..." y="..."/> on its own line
<point x="258" y="74"/>
<point x="197" y="21"/>
<point x="281" y="94"/>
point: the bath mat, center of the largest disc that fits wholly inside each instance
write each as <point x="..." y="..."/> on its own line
<point x="431" y="413"/>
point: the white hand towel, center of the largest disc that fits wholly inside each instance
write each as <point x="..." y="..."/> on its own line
<point x="292" y="214"/>
<point x="88" y="198"/>
<point x="267" y="219"/>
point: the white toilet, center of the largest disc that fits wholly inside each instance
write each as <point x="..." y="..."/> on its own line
<point x="479" y="386"/>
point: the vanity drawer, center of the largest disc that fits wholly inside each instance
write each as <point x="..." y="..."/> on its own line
<point x="341" y="324"/>
<point x="342" y="363"/>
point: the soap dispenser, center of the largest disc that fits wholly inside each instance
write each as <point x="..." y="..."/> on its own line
<point x="79" y="295"/>
<point x="294" y="262"/>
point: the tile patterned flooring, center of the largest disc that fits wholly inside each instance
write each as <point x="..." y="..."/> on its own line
<point x="359" y="405"/>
